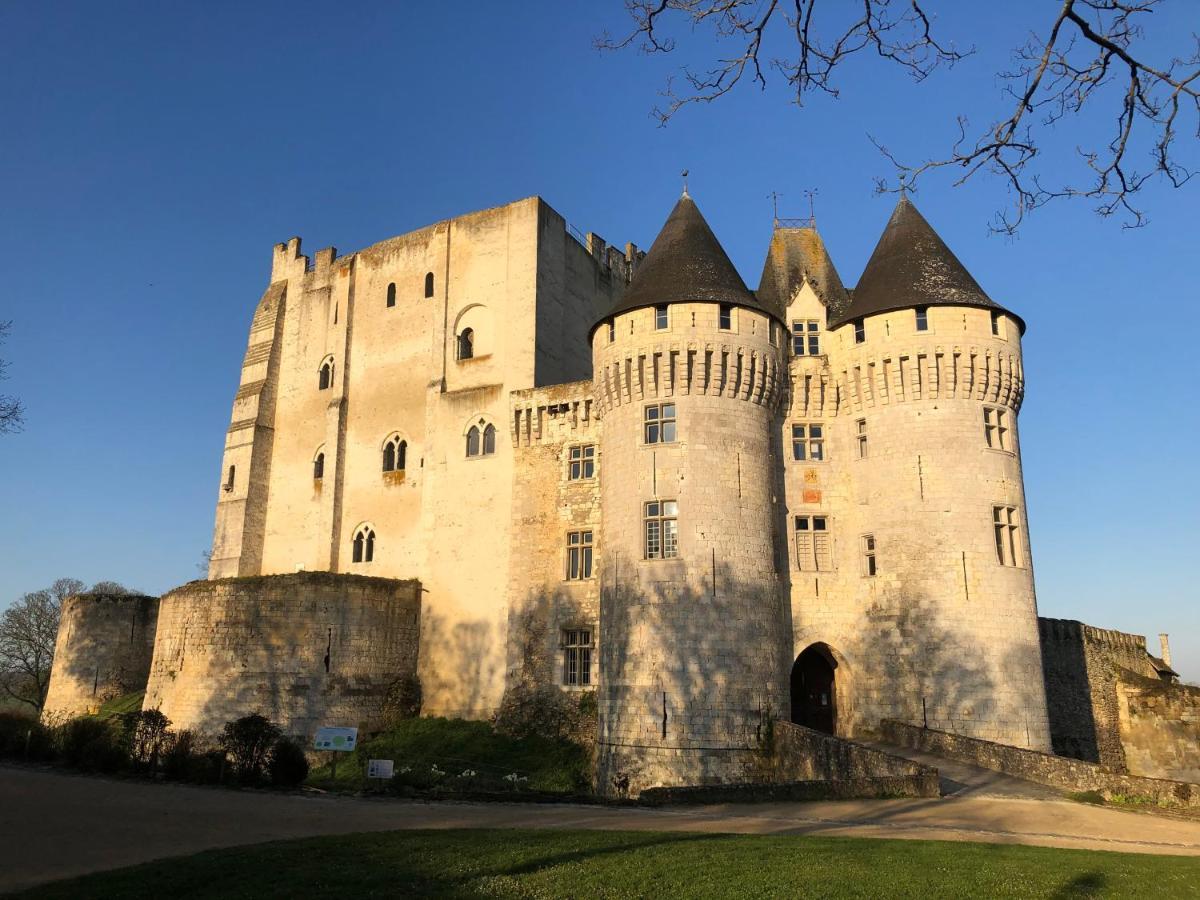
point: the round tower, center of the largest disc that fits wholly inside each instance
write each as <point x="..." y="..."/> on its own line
<point x="933" y="609"/>
<point x="694" y="635"/>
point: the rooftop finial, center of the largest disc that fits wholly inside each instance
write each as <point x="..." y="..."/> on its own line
<point x="775" y="195"/>
<point x="812" y="207"/>
<point x="684" y="174"/>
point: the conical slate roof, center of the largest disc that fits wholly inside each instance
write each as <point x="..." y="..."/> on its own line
<point x="797" y="255"/>
<point x="912" y="266"/>
<point x="686" y="263"/>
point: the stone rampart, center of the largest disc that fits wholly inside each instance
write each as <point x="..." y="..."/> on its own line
<point x="1043" y="768"/>
<point x="103" y="650"/>
<point x="1160" y="727"/>
<point x="304" y="650"/>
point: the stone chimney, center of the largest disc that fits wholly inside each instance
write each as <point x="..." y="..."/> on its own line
<point x="1166" y="648"/>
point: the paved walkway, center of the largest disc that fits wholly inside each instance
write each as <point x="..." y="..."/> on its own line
<point x="960" y="779"/>
<point x="57" y="825"/>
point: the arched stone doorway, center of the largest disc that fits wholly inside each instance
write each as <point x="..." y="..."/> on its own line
<point x="814" y="700"/>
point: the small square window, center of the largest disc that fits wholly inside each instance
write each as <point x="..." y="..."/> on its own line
<point x="581" y="462"/>
<point x="808" y="441"/>
<point x="659" y="423"/>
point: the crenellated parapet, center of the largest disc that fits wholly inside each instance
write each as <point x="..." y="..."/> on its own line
<point x="674" y="368"/>
<point x="925" y="372"/>
<point x="552" y="415"/>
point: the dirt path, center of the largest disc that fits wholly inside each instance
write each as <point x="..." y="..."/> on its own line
<point x="56" y="825"/>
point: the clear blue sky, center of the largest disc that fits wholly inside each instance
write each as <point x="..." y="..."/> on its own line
<point x="153" y="153"/>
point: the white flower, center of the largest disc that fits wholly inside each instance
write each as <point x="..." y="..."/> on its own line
<point x="468" y="773"/>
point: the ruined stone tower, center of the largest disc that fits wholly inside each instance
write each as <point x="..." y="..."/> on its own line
<point x="687" y="376"/>
<point x="911" y="571"/>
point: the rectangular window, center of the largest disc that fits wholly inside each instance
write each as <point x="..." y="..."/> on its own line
<point x="995" y="428"/>
<point x="808" y="441"/>
<point x="868" y="555"/>
<point x="806" y="337"/>
<point x="860" y="331"/>
<point x="661" y="518"/>
<point x="577" y="656"/>
<point x="860" y="428"/>
<point x="813" y="550"/>
<point x="582" y="462"/>
<point x="922" y="318"/>
<point x="612" y="331"/>
<point x="773" y="334"/>
<point x="579" y="555"/>
<point x="660" y="316"/>
<point x="996" y="324"/>
<point x="1006" y="523"/>
<point x="659" y="420"/>
<point x="725" y="317"/>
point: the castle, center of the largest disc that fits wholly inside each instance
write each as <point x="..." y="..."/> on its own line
<point x="494" y="446"/>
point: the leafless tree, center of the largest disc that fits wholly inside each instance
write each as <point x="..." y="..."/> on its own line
<point x="28" y="630"/>
<point x="112" y="589"/>
<point x="12" y="414"/>
<point x="1085" y="58"/>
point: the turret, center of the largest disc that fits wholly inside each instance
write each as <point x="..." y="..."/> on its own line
<point x="688" y="374"/>
<point x="924" y="604"/>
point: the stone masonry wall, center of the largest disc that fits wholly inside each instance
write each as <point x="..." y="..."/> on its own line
<point x="1044" y="768"/>
<point x="1160" y="727"/>
<point x="102" y="651"/>
<point x="1082" y="666"/>
<point x="304" y="650"/>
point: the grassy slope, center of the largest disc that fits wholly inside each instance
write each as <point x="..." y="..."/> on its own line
<point x="456" y="745"/>
<point x="638" y="864"/>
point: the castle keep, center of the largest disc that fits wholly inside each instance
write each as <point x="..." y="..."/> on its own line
<point x="494" y="450"/>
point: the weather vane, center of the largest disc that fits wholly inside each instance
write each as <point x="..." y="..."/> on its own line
<point x="684" y="175"/>
<point x="812" y="208"/>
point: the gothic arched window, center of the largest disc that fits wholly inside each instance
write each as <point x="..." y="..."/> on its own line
<point x="391" y="294"/>
<point x="473" y="441"/>
<point x="489" y="440"/>
<point x="325" y="377"/>
<point x="428" y="284"/>
<point x="319" y="465"/>
<point x="466" y="343"/>
<point x="394" y="452"/>
<point x="364" y="544"/>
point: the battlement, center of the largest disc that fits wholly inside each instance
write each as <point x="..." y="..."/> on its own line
<point x="621" y="264"/>
<point x="552" y="414"/>
<point x="1063" y="630"/>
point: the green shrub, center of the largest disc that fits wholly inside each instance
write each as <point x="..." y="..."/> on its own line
<point x="289" y="765"/>
<point x="93" y="745"/>
<point x="24" y="737"/>
<point x="146" y="735"/>
<point x="248" y="742"/>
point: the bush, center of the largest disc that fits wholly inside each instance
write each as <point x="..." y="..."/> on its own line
<point x="248" y="742"/>
<point x="23" y="736"/>
<point x="92" y="745"/>
<point x="289" y="765"/>
<point x="146" y="736"/>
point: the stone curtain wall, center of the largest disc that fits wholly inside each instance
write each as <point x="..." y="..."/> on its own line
<point x="1081" y="666"/>
<point x="102" y="651"/>
<point x="1160" y="727"/>
<point x="1044" y="768"/>
<point x="304" y="650"/>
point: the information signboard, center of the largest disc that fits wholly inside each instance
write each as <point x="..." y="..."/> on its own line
<point x="336" y="739"/>
<point x="380" y="768"/>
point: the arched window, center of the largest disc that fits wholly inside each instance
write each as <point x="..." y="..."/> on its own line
<point x="394" y="452"/>
<point x="325" y="378"/>
<point x="481" y="439"/>
<point x="466" y="343"/>
<point x="489" y="440"/>
<point x="364" y="544"/>
<point x="319" y="465"/>
<point x="473" y="441"/>
<point x="391" y="294"/>
<point x="428" y="285"/>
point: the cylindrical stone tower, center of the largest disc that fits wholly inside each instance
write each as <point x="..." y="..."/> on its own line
<point x="694" y="635"/>
<point x="938" y="621"/>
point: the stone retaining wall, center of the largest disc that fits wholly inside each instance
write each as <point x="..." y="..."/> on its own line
<point x="1043" y="768"/>
<point x="1160" y="727"/>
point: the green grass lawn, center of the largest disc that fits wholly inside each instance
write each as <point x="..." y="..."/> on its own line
<point x="522" y="863"/>
<point x="456" y="746"/>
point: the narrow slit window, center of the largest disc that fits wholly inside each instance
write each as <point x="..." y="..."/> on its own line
<point x="725" y="317"/>
<point x="860" y="331"/>
<point x="428" y="285"/>
<point x="229" y="478"/>
<point x="996" y="324"/>
<point x="860" y="434"/>
<point x="325" y="375"/>
<point x="869" y="567"/>
<point x="473" y="441"/>
<point x="391" y="295"/>
<point x="612" y="331"/>
<point x="319" y="467"/>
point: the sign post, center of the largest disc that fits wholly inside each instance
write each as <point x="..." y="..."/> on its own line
<point x="336" y="740"/>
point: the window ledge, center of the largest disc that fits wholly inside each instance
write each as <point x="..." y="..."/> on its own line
<point x="473" y="359"/>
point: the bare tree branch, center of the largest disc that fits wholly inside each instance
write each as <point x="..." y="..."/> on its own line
<point x="12" y="413"/>
<point x="1086" y="59"/>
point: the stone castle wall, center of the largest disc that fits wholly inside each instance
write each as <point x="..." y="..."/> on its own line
<point x="304" y="650"/>
<point x="103" y="650"/>
<point x="1160" y="727"/>
<point x="1083" y="666"/>
<point x="943" y="631"/>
